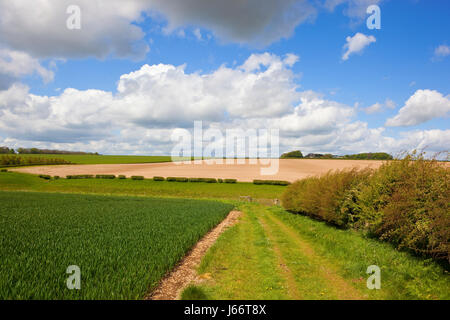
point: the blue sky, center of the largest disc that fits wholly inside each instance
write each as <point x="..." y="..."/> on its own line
<point x="407" y="60"/>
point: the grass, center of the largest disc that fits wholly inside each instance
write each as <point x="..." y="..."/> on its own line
<point x="123" y="245"/>
<point x="25" y="182"/>
<point x="101" y="159"/>
<point x="273" y="254"/>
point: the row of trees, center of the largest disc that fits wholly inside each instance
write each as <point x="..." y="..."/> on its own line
<point x="297" y="154"/>
<point x="6" y="150"/>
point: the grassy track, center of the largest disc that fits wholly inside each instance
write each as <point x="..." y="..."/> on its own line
<point x="93" y="159"/>
<point x="305" y="259"/>
<point x="25" y="182"/>
<point x="123" y="245"/>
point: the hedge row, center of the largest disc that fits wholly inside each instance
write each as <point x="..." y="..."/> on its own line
<point x="80" y="176"/>
<point x="406" y="202"/>
<point x="13" y="160"/>
<point x="105" y="176"/>
<point x="272" y="182"/>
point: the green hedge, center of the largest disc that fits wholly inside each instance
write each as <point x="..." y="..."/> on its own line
<point x="137" y="178"/>
<point x="230" y="181"/>
<point x="121" y="176"/>
<point x="159" y="179"/>
<point x="405" y="202"/>
<point x="272" y="182"/>
<point x="177" y="179"/>
<point x="207" y="180"/>
<point x="45" y="176"/>
<point x="3" y="170"/>
<point x="80" y="176"/>
<point x="105" y="176"/>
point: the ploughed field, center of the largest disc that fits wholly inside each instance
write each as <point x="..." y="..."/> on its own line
<point x="289" y="169"/>
<point x="123" y="245"/>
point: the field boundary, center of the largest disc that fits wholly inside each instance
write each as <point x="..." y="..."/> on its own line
<point x="171" y="286"/>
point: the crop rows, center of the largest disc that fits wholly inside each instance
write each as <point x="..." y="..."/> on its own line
<point x="123" y="245"/>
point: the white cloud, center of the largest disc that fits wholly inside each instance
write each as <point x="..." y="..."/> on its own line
<point x="355" y="9"/>
<point x="378" y="107"/>
<point x="16" y="64"/>
<point x="422" y="106"/>
<point x="441" y="51"/>
<point x="39" y="28"/>
<point x="356" y="44"/>
<point x="198" y="34"/>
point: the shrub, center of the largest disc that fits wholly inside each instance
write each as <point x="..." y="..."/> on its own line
<point x="137" y="178"/>
<point x="206" y="180"/>
<point x="80" y="176"/>
<point x="45" y="176"/>
<point x="292" y="155"/>
<point x="230" y="180"/>
<point x="407" y="202"/>
<point x="3" y="170"/>
<point x="322" y="197"/>
<point x="272" y="182"/>
<point x="121" y="176"/>
<point x="105" y="176"/>
<point x="177" y="179"/>
<point x="56" y="177"/>
<point x="220" y="180"/>
<point x="159" y="179"/>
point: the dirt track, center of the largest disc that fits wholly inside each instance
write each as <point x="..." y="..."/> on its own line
<point x="289" y="170"/>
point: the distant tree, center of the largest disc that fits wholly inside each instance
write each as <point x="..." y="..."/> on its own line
<point x="297" y="154"/>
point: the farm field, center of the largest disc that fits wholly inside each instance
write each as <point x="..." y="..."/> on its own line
<point x="101" y="159"/>
<point x="273" y="254"/>
<point x="13" y="181"/>
<point x="123" y="245"/>
<point x="289" y="169"/>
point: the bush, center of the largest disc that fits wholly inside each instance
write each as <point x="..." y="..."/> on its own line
<point x="292" y="155"/>
<point x="177" y="179"/>
<point x="105" y="176"/>
<point x="45" y="176"/>
<point x="206" y="180"/>
<point x="159" y="179"/>
<point x="323" y="197"/>
<point x="81" y="176"/>
<point x="230" y="180"/>
<point x="3" y="170"/>
<point x="137" y="178"/>
<point x="56" y="177"/>
<point x="14" y="160"/>
<point x="272" y="182"/>
<point x="220" y="180"/>
<point x="121" y="176"/>
<point x="405" y="202"/>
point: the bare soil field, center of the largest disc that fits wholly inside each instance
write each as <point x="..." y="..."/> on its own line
<point x="289" y="169"/>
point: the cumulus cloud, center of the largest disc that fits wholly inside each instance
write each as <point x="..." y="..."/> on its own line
<point x="39" y="28"/>
<point x="16" y="64"/>
<point x="422" y="106"/>
<point x="154" y="100"/>
<point x="108" y="27"/>
<point x="356" y="44"/>
<point x="251" y="21"/>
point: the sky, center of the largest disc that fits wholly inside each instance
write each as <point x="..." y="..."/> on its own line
<point x="120" y="77"/>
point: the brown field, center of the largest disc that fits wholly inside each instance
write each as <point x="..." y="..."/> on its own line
<point x="289" y="169"/>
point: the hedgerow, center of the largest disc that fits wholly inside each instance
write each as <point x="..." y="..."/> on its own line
<point x="272" y="182"/>
<point x="80" y="176"/>
<point x="159" y="179"/>
<point x="105" y="176"/>
<point x="230" y="181"/>
<point x="177" y="179"/>
<point x="406" y="202"/>
<point x="137" y="178"/>
<point x="15" y="161"/>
